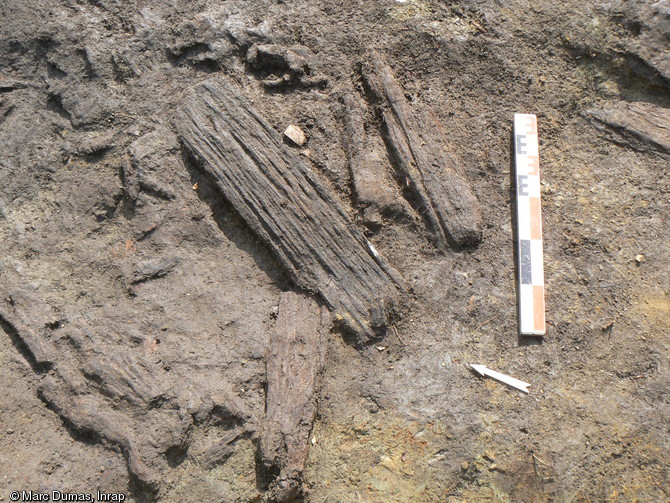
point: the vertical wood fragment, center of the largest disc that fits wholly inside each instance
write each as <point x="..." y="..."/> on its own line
<point x="419" y="152"/>
<point x="294" y="362"/>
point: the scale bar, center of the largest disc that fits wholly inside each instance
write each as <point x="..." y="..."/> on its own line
<point x="529" y="226"/>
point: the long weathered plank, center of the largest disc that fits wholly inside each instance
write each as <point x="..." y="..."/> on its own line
<point x="419" y="152"/>
<point x="640" y="124"/>
<point x="294" y="362"/>
<point x="287" y="207"/>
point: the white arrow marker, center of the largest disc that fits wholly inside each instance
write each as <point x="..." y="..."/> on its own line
<point x="515" y="383"/>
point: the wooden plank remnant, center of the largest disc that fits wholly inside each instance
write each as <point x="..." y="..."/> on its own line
<point x="294" y="363"/>
<point x="288" y="208"/>
<point x="374" y="187"/>
<point x="418" y="148"/>
<point x="641" y="125"/>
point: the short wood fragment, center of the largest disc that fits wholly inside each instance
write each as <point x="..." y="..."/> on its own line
<point x="153" y="269"/>
<point x="130" y="179"/>
<point x="294" y="362"/>
<point x="419" y="151"/>
<point x="27" y="320"/>
<point x="87" y="413"/>
<point x="641" y="125"/>
<point x="221" y="450"/>
<point x="156" y="189"/>
<point x="288" y="208"/>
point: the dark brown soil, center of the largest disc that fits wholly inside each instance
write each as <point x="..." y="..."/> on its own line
<point x="154" y="301"/>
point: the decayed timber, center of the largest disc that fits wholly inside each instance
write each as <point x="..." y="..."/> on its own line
<point x="642" y="125"/>
<point x="373" y="187"/>
<point x="87" y="413"/>
<point x="418" y="147"/>
<point x="110" y="393"/>
<point x="287" y="207"/>
<point x="294" y="363"/>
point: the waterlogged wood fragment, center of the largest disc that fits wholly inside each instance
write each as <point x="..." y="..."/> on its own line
<point x="639" y="124"/>
<point x="294" y="363"/>
<point x="288" y="208"/>
<point x="109" y="393"/>
<point x="374" y="187"/>
<point x="418" y="148"/>
<point x="87" y="413"/>
<point x="221" y="450"/>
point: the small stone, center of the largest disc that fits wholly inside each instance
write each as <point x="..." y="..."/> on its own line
<point x="639" y="258"/>
<point x="465" y="465"/>
<point x="295" y="134"/>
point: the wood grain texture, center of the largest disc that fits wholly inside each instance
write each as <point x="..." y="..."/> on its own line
<point x="641" y="125"/>
<point x="294" y="363"/>
<point x="374" y="188"/>
<point x="418" y="148"/>
<point x="288" y="208"/>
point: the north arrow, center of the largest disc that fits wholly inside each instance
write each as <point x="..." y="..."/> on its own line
<point x="515" y="383"/>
